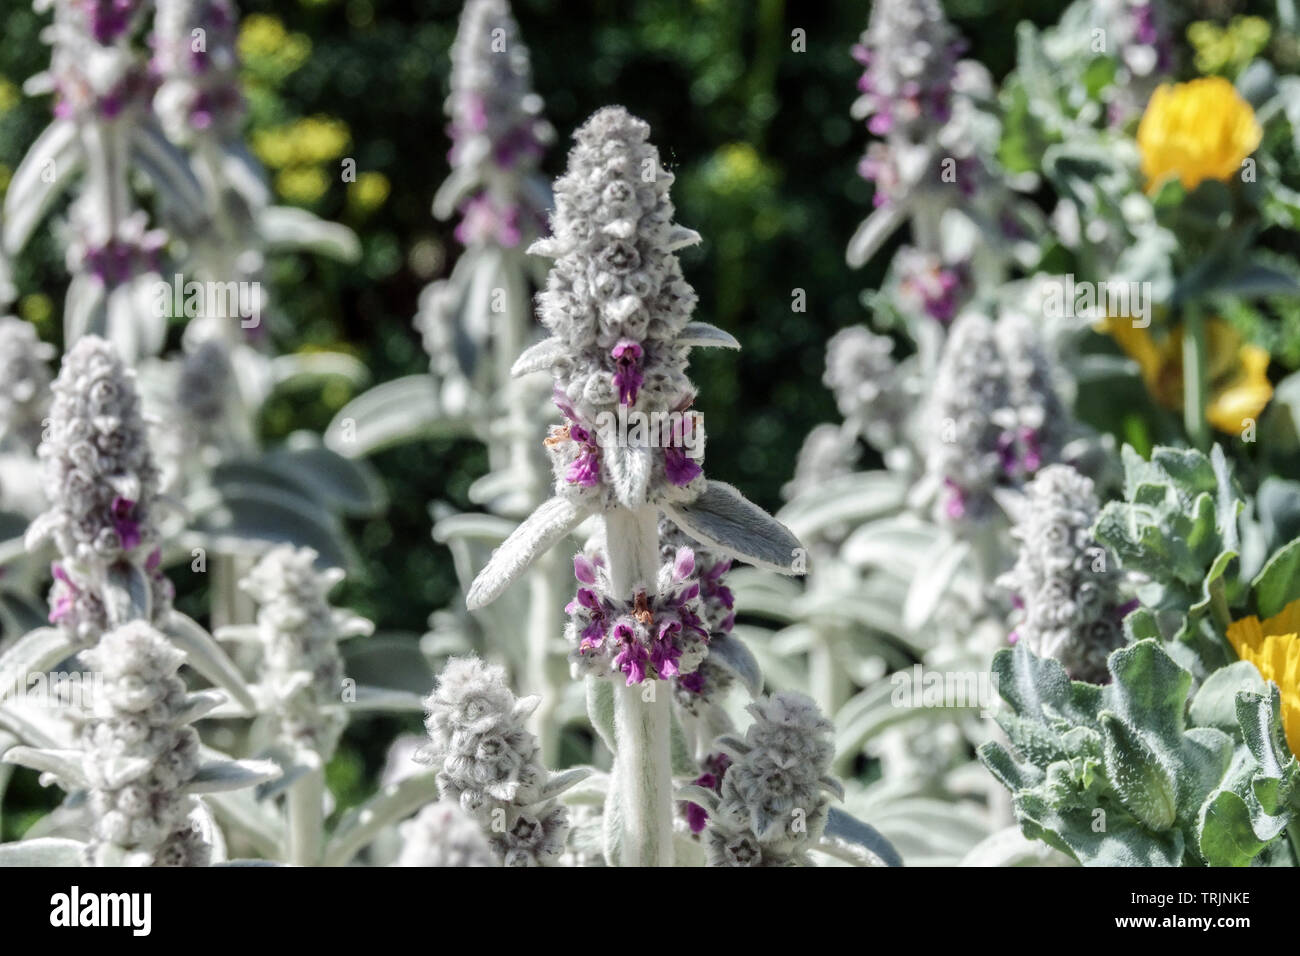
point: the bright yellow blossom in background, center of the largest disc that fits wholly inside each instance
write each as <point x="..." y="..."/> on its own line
<point x="1196" y="131"/>
<point x="1237" y="371"/>
<point x="1274" y="648"/>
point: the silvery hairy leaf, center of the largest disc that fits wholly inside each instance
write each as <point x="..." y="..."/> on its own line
<point x="34" y="653"/>
<point x="45" y="851"/>
<point x="721" y="517"/>
<point x="703" y="335"/>
<point x="206" y="656"/>
<point x="31" y="192"/>
<point x="538" y="532"/>
<point x="217" y="776"/>
<point x="285" y="227"/>
<point x="392" y="413"/>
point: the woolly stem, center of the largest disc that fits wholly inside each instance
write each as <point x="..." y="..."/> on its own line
<point x="1194" y="378"/>
<point x="545" y="608"/>
<point x="306" y="811"/>
<point x="642" y="734"/>
<point x="642" y="718"/>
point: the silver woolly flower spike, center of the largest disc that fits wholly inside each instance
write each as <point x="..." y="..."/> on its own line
<point x="489" y="763"/>
<point x="1066" y="583"/>
<point x="619" y="314"/>
<point x="102" y="484"/>
<point x="299" y="632"/>
<point x="137" y="758"/>
<point x="773" y="803"/>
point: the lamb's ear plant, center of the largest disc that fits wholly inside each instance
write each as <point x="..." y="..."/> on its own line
<point x="133" y="752"/>
<point x="619" y="314"/>
<point x="103" y="132"/>
<point x="1182" y="756"/>
<point x="1141" y="771"/>
<point x="473" y="325"/>
<point x="488" y="763"/>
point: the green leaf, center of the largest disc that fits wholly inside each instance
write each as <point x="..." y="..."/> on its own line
<point x="1143" y="785"/>
<point x="1278" y="582"/>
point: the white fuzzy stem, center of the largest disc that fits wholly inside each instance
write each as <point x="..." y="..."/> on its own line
<point x="642" y="733"/>
<point x="642" y="727"/>
<point x="545" y="611"/>
<point x="306" y="809"/>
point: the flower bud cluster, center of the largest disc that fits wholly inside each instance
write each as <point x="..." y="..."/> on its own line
<point x="645" y="637"/>
<point x="302" y="670"/>
<point x="140" y="752"/>
<point x="617" y="306"/>
<point x="102" y="484"/>
<point x="773" y="802"/>
<point x="489" y="763"/>
<point x="1064" y="583"/>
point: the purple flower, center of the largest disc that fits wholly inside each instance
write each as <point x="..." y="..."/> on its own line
<point x="955" y="504"/>
<point x="679" y="467"/>
<point x="583" y="569"/>
<point x="628" y="378"/>
<point x="632" y="659"/>
<point x="585" y="469"/>
<point x="683" y="563"/>
<point x="125" y="523"/>
<point x="664" y="651"/>
<point x="109" y="19"/>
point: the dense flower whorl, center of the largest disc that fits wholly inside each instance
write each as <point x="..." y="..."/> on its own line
<point x="616" y="305"/>
<point x="302" y="670"/>
<point x="139" y="752"/>
<point x="1063" y="580"/>
<point x="867" y="384"/>
<point x="489" y="763"/>
<point x="24" y="383"/>
<point x="710" y="681"/>
<point x="995" y="416"/>
<point x="442" y="834"/>
<point x="497" y="128"/>
<point x="196" y="59"/>
<point x="971" y="414"/>
<point x="909" y="52"/>
<point x="774" y="802"/>
<point x="94" y="71"/>
<point x="643" y="637"/>
<point x="102" y="484"/>
<point x="1043" y="423"/>
<point x="929" y="287"/>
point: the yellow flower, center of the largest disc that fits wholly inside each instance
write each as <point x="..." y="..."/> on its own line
<point x="302" y="184"/>
<point x="313" y="139"/>
<point x="1238" y="371"/>
<point x="1196" y="131"/>
<point x="369" y="191"/>
<point x="1274" y="648"/>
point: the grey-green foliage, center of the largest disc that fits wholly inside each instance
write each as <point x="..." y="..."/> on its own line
<point x="1133" y="773"/>
<point x="1177" y="526"/>
<point x="1178" y="516"/>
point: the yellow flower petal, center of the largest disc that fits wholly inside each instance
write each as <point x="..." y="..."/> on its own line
<point x="1273" y="646"/>
<point x="1196" y="131"/>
